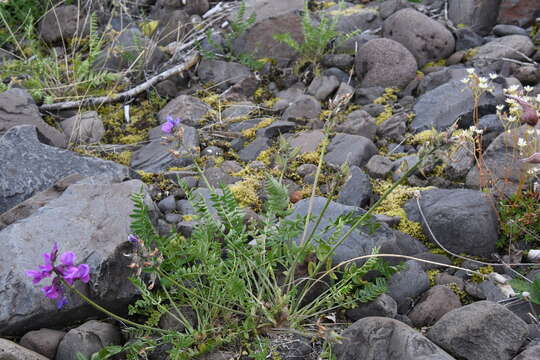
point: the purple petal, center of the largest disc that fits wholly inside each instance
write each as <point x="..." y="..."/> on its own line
<point x="177" y="121"/>
<point x="37" y="275"/>
<point x="69" y="273"/>
<point x="84" y="273"/>
<point x="51" y="291"/>
<point x="169" y="118"/>
<point x="133" y="239"/>
<point x="68" y="258"/>
<point x="167" y="127"/>
<point x="61" y="302"/>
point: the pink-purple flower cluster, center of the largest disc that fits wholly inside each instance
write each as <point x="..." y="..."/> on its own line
<point x="168" y="126"/>
<point x="66" y="270"/>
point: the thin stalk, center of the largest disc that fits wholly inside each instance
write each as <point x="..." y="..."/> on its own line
<point x="111" y="314"/>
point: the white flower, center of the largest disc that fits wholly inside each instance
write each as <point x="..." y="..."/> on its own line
<point x="482" y="79"/>
<point x="531" y="131"/>
<point x="525" y="294"/>
<point x="465" y="81"/>
<point x="513" y="88"/>
<point x="533" y="171"/>
<point x="521" y="142"/>
<point x="474" y="129"/>
<point x="471" y="71"/>
<point x="499" y="107"/>
<point x="483" y="85"/>
<point x="511" y="101"/>
<point x="493" y="76"/>
<point x="528" y="88"/>
<point x="511" y="118"/>
<point x="538" y="98"/>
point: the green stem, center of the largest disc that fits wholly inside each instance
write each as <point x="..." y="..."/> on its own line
<point x="111" y="314"/>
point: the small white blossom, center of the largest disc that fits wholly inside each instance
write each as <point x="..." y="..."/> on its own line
<point x="465" y="80"/>
<point x="513" y="88"/>
<point x="500" y="107"/>
<point x="533" y="171"/>
<point x="531" y="131"/>
<point x="476" y="130"/>
<point x="528" y="88"/>
<point x="511" y="118"/>
<point x="471" y="70"/>
<point x="521" y="142"/>
<point x="493" y="76"/>
<point x="482" y="79"/>
<point x="483" y="85"/>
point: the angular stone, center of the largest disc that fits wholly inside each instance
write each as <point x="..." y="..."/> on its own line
<point x="354" y="149"/>
<point x="434" y="303"/>
<point x="188" y="108"/>
<point x="357" y="189"/>
<point x="18" y="108"/>
<point x="456" y="217"/>
<point x="303" y="109"/>
<point x="480" y="331"/>
<point x="442" y="106"/>
<point x="480" y="15"/>
<point x="379" y="166"/>
<point x="350" y="18"/>
<point x="156" y="156"/>
<point x="11" y="351"/>
<point x="383" y="306"/>
<point x="84" y="128"/>
<point x="505" y="47"/>
<point x="407" y="284"/>
<point x="276" y="128"/>
<point x="63" y="23"/>
<point x="504" y="30"/>
<point x="323" y="86"/>
<point x="361" y="241"/>
<point x="307" y="141"/>
<point x="358" y="122"/>
<point x="530" y="353"/>
<point x="222" y="73"/>
<point x="91" y="218"/>
<point x="28" y="166"/>
<point x="378" y="338"/>
<point x="254" y="148"/>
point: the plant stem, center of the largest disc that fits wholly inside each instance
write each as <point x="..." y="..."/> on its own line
<point x="111" y="314"/>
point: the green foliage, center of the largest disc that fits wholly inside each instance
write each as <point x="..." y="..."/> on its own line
<point x="241" y="280"/>
<point x="532" y="288"/>
<point x="105" y="353"/>
<point x="15" y="16"/>
<point x="238" y="26"/>
<point x="317" y="38"/>
<point x="49" y="77"/>
<point x="519" y="220"/>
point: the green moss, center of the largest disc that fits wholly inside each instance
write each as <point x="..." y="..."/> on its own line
<point x="423" y="137"/>
<point x="393" y="206"/>
<point x="245" y="192"/>
<point x="438" y="63"/>
<point x="432" y="276"/>
<point x="142" y="118"/>
<point x="486" y="270"/>
<point x="389" y="95"/>
<point x="123" y="157"/>
<point x="250" y="133"/>
<point x="463" y="296"/>
<point x="387" y="113"/>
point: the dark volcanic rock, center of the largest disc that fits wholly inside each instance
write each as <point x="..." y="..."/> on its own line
<point x="91" y="218"/>
<point x="378" y="338"/>
<point x="29" y="166"/>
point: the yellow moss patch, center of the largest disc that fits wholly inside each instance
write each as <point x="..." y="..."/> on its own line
<point x="123" y="157"/>
<point x="351" y="11"/>
<point x="393" y="206"/>
<point x="187" y="217"/>
<point x="423" y="137"/>
<point x="382" y="117"/>
<point x="486" y="270"/>
<point x="441" y="62"/>
<point x="266" y="156"/>
<point x="432" y="276"/>
<point x="245" y="192"/>
<point x="389" y="95"/>
<point x="463" y="297"/>
<point x="251" y="132"/>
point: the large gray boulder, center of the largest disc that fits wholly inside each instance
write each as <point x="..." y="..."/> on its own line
<point x="351" y="17"/>
<point x="502" y="168"/>
<point x="483" y="330"/>
<point x="385" y="63"/>
<point x="63" y="23"/>
<point x="353" y="149"/>
<point x="29" y="166"/>
<point x="510" y="47"/>
<point x="18" y="108"/>
<point x="427" y="39"/>
<point x="480" y="15"/>
<point x="222" y="73"/>
<point x="442" y="106"/>
<point x="91" y="218"/>
<point x="462" y="220"/>
<point x="379" y="338"/>
<point x="361" y="241"/>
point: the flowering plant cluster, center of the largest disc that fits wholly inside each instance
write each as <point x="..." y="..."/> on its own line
<point x="66" y="271"/>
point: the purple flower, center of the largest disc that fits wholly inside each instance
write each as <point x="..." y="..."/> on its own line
<point x="66" y="271"/>
<point x="170" y="124"/>
<point x="133" y="239"/>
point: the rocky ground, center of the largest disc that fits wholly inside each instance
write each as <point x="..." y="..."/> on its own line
<point x="67" y="172"/>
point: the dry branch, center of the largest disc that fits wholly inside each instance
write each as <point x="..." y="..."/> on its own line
<point x="186" y="64"/>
